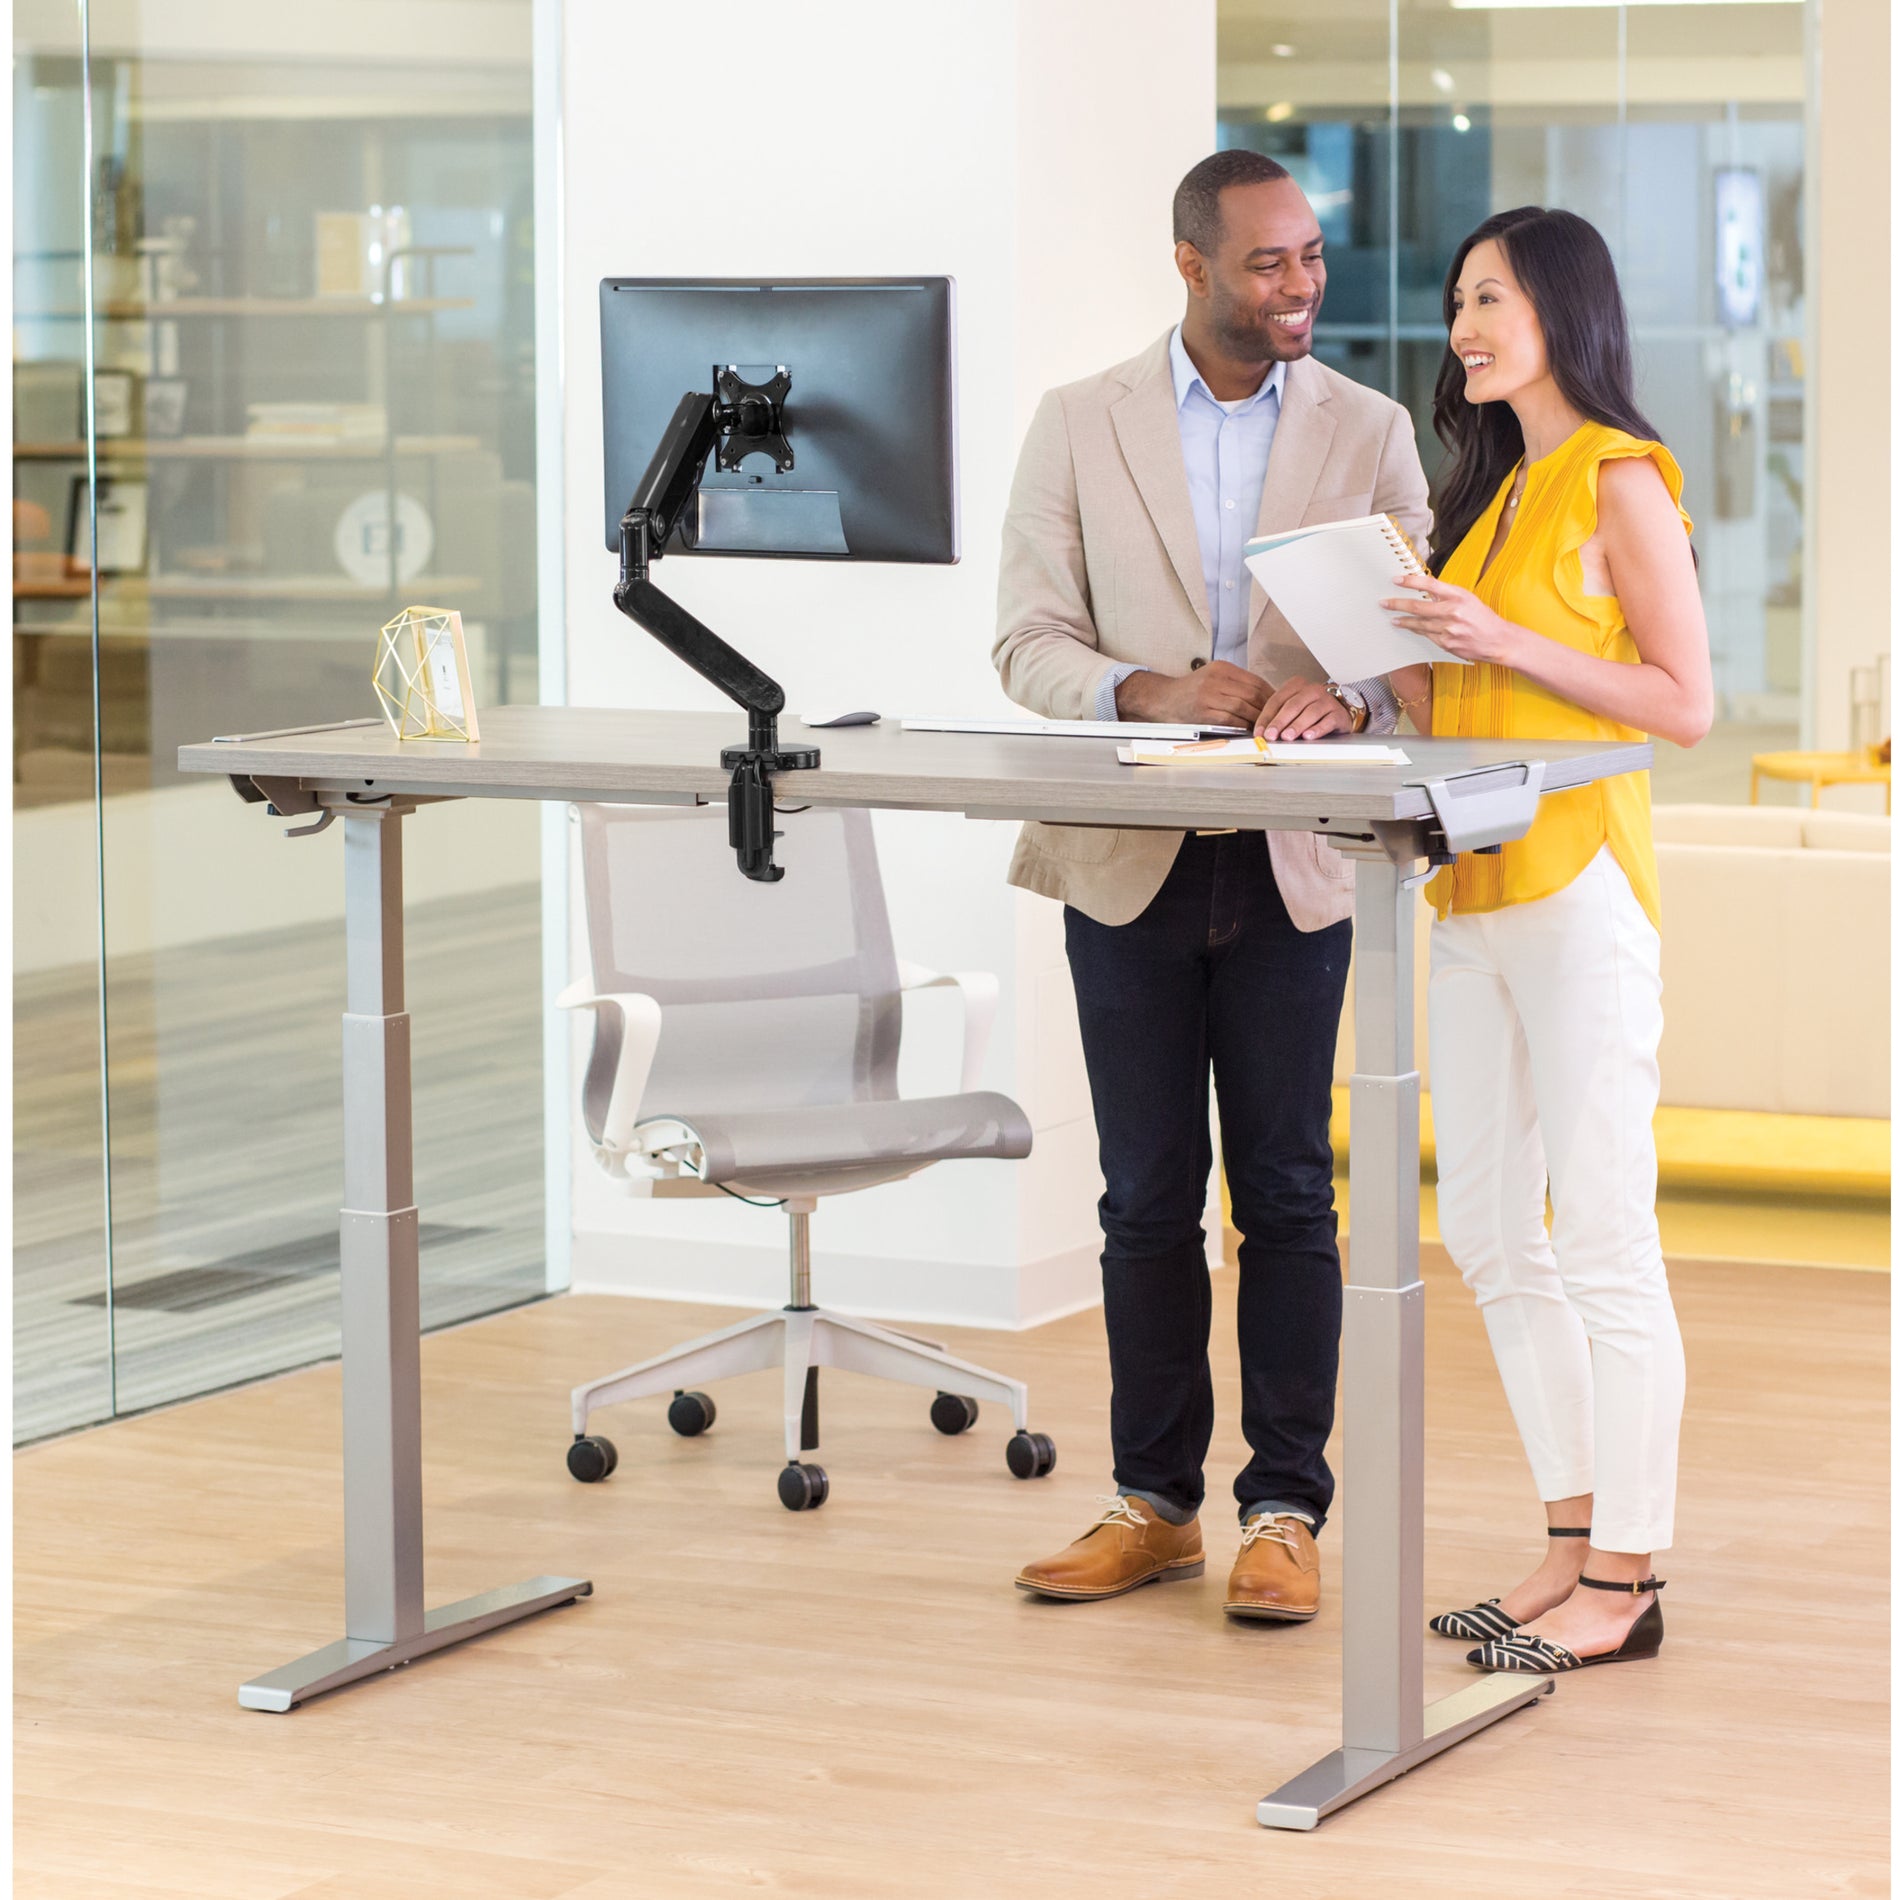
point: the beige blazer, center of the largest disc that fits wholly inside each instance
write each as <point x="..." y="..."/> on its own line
<point x="1102" y="563"/>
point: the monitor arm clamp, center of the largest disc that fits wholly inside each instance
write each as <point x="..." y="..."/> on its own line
<point x="738" y="419"/>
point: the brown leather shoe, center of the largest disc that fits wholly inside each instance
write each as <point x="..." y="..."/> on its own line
<point x="1276" y="1575"/>
<point x="1128" y="1545"/>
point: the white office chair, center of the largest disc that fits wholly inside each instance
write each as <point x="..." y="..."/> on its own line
<point x="745" y="1042"/>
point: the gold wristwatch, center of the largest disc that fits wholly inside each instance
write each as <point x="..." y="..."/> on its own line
<point x="1356" y="709"/>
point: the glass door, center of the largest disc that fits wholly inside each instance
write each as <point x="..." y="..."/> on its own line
<point x="312" y="330"/>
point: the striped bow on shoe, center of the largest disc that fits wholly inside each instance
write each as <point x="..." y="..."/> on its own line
<point x="1483" y="1623"/>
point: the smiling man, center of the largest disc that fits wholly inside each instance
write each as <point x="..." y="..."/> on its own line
<point x="1124" y="596"/>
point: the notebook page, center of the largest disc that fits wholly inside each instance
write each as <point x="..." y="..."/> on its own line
<point x="1330" y="585"/>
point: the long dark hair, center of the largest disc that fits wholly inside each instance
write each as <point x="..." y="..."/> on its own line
<point x="1566" y="270"/>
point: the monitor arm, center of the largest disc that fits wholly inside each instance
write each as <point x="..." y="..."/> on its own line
<point x="738" y="419"/>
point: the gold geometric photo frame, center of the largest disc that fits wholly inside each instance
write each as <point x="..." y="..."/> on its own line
<point x="422" y="678"/>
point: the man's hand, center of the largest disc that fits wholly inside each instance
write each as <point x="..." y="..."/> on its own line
<point x="1216" y="694"/>
<point x="1301" y="709"/>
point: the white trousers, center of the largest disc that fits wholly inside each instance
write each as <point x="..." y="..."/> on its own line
<point x="1545" y="1019"/>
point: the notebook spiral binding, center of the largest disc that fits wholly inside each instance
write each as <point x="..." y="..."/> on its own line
<point x="1401" y="544"/>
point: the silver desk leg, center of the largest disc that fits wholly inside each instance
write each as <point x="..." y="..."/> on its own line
<point x="1387" y="1729"/>
<point x="384" y="1620"/>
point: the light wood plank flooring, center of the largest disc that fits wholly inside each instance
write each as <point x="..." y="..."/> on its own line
<point x="856" y="1703"/>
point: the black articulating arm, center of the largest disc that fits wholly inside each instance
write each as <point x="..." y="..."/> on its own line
<point x="738" y="419"/>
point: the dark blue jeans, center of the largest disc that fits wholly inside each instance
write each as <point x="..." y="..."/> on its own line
<point x="1213" y="971"/>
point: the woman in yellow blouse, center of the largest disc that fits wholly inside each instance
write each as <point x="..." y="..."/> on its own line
<point x="1569" y="590"/>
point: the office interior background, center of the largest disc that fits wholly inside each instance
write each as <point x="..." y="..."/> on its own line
<point x="307" y="274"/>
<point x="332" y="271"/>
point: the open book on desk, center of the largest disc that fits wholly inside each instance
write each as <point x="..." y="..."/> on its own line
<point x="1329" y="580"/>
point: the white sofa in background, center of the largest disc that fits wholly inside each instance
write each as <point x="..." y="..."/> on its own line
<point x="1776" y="987"/>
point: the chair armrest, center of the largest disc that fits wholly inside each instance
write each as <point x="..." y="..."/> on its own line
<point x="639" y="1038"/>
<point x="980" y="992"/>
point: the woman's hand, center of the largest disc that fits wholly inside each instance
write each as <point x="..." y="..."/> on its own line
<point x="1455" y="619"/>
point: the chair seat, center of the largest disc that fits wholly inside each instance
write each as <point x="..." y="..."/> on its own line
<point x="769" y="1150"/>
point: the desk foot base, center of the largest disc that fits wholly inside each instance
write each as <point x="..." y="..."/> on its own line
<point x="1347" y="1773"/>
<point x="338" y="1664"/>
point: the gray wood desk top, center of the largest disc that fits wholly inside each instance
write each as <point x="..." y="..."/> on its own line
<point x="595" y="753"/>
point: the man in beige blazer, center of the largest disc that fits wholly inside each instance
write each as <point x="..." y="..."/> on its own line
<point x="1123" y="595"/>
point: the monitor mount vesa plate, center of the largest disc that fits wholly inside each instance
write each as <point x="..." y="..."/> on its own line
<point x="736" y="420"/>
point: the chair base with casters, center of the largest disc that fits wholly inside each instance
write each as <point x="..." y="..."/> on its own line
<point x="745" y="1042"/>
<point x="801" y="1338"/>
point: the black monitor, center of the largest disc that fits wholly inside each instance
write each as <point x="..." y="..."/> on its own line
<point x="806" y="419"/>
<point x="867" y="411"/>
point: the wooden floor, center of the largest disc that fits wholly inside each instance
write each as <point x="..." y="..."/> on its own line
<point x="855" y="1702"/>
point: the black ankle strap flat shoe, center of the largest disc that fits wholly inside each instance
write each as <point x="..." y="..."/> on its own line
<point x="1538" y="1656"/>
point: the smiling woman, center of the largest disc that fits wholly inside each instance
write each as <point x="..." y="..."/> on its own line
<point x="1566" y="586"/>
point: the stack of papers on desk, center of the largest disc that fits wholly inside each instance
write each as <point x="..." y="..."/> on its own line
<point x="1252" y="752"/>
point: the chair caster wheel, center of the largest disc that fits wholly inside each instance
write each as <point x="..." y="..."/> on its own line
<point x="952" y="1413"/>
<point x="803" y="1487"/>
<point x="1031" y="1455"/>
<point x="691" y="1413"/>
<point x="591" y="1459"/>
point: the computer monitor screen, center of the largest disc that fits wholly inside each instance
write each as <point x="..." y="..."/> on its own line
<point x="869" y="414"/>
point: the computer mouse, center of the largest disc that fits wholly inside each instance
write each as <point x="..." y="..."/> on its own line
<point x="840" y="719"/>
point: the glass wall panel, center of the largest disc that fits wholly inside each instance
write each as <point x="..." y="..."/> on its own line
<point x="1691" y="163"/>
<point x="313" y="326"/>
<point x="61" y="1325"/>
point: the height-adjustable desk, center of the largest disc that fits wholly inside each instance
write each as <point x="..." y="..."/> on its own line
<point x="1388" y="818"/>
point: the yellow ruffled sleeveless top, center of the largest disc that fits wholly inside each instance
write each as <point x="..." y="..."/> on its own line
<point x="1537" y="582"/>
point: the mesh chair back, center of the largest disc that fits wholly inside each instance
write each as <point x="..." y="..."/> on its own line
<point x="772" y="995"/>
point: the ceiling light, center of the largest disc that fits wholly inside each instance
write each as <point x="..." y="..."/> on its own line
<point x="1441" y="79"/>
<point x="1282" y="51"/>
<point x="1460" y="123"/>
<point x="1280" y="112"/>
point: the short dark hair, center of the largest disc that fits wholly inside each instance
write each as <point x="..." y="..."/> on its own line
<point x="1197" y="196"/>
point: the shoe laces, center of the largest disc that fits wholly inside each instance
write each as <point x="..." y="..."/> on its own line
<point x="1268" y="1530"/>
<point x="1120" y="1510"/>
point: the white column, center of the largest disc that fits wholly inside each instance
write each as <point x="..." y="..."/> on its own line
<point x="1029" y="149"/>
<point x="1849" y="589"/>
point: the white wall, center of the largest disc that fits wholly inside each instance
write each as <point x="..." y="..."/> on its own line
<point x="1029" y="149"/>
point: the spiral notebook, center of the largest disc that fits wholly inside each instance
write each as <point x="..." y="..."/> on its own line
<point x="1328" y="579"/>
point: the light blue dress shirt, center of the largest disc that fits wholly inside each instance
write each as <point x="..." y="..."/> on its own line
<point x="1225" y="447"/>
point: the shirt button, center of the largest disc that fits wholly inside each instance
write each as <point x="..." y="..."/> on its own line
<point x="1230" y="504"/>
<point x="1228" y="585"/>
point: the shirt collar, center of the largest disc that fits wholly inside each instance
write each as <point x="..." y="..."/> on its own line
<point x="1187" y="378"/>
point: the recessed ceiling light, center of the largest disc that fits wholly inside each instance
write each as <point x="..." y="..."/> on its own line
<point x="1282" y="51"/>
<point x="1441" y="79"/>
<point x="1280" y="112"/>
<point x="1460" y="123"/>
